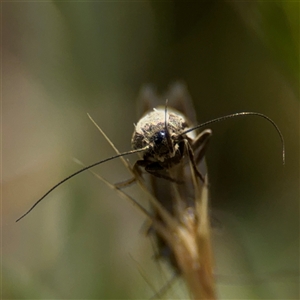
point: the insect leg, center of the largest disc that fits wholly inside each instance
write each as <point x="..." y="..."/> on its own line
<point x="190" y="153"/>
<point x="123" y="184"/>
<point x="136" y="171"/>
<point x="200" y="143"/>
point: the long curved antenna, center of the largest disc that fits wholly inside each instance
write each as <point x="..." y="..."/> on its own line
<point x="76" y="173"/>
<point x="240" y="114"/>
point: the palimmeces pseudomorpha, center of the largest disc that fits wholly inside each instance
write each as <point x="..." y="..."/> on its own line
<point x="172" y="172"/>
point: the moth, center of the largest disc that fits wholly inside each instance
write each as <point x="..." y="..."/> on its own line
<point x="171" y="170"/>
<point x="178" y="180"/>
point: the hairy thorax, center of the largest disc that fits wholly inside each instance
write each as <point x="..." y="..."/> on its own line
<point x="161" y="131"/>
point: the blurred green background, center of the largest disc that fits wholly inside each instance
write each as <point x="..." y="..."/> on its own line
<point x="61" y="60"/>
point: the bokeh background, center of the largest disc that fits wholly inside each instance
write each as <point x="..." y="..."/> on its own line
<point x="61" y="60"/>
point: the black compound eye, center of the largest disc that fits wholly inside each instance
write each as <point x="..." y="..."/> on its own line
<point x="159" y="137"/>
